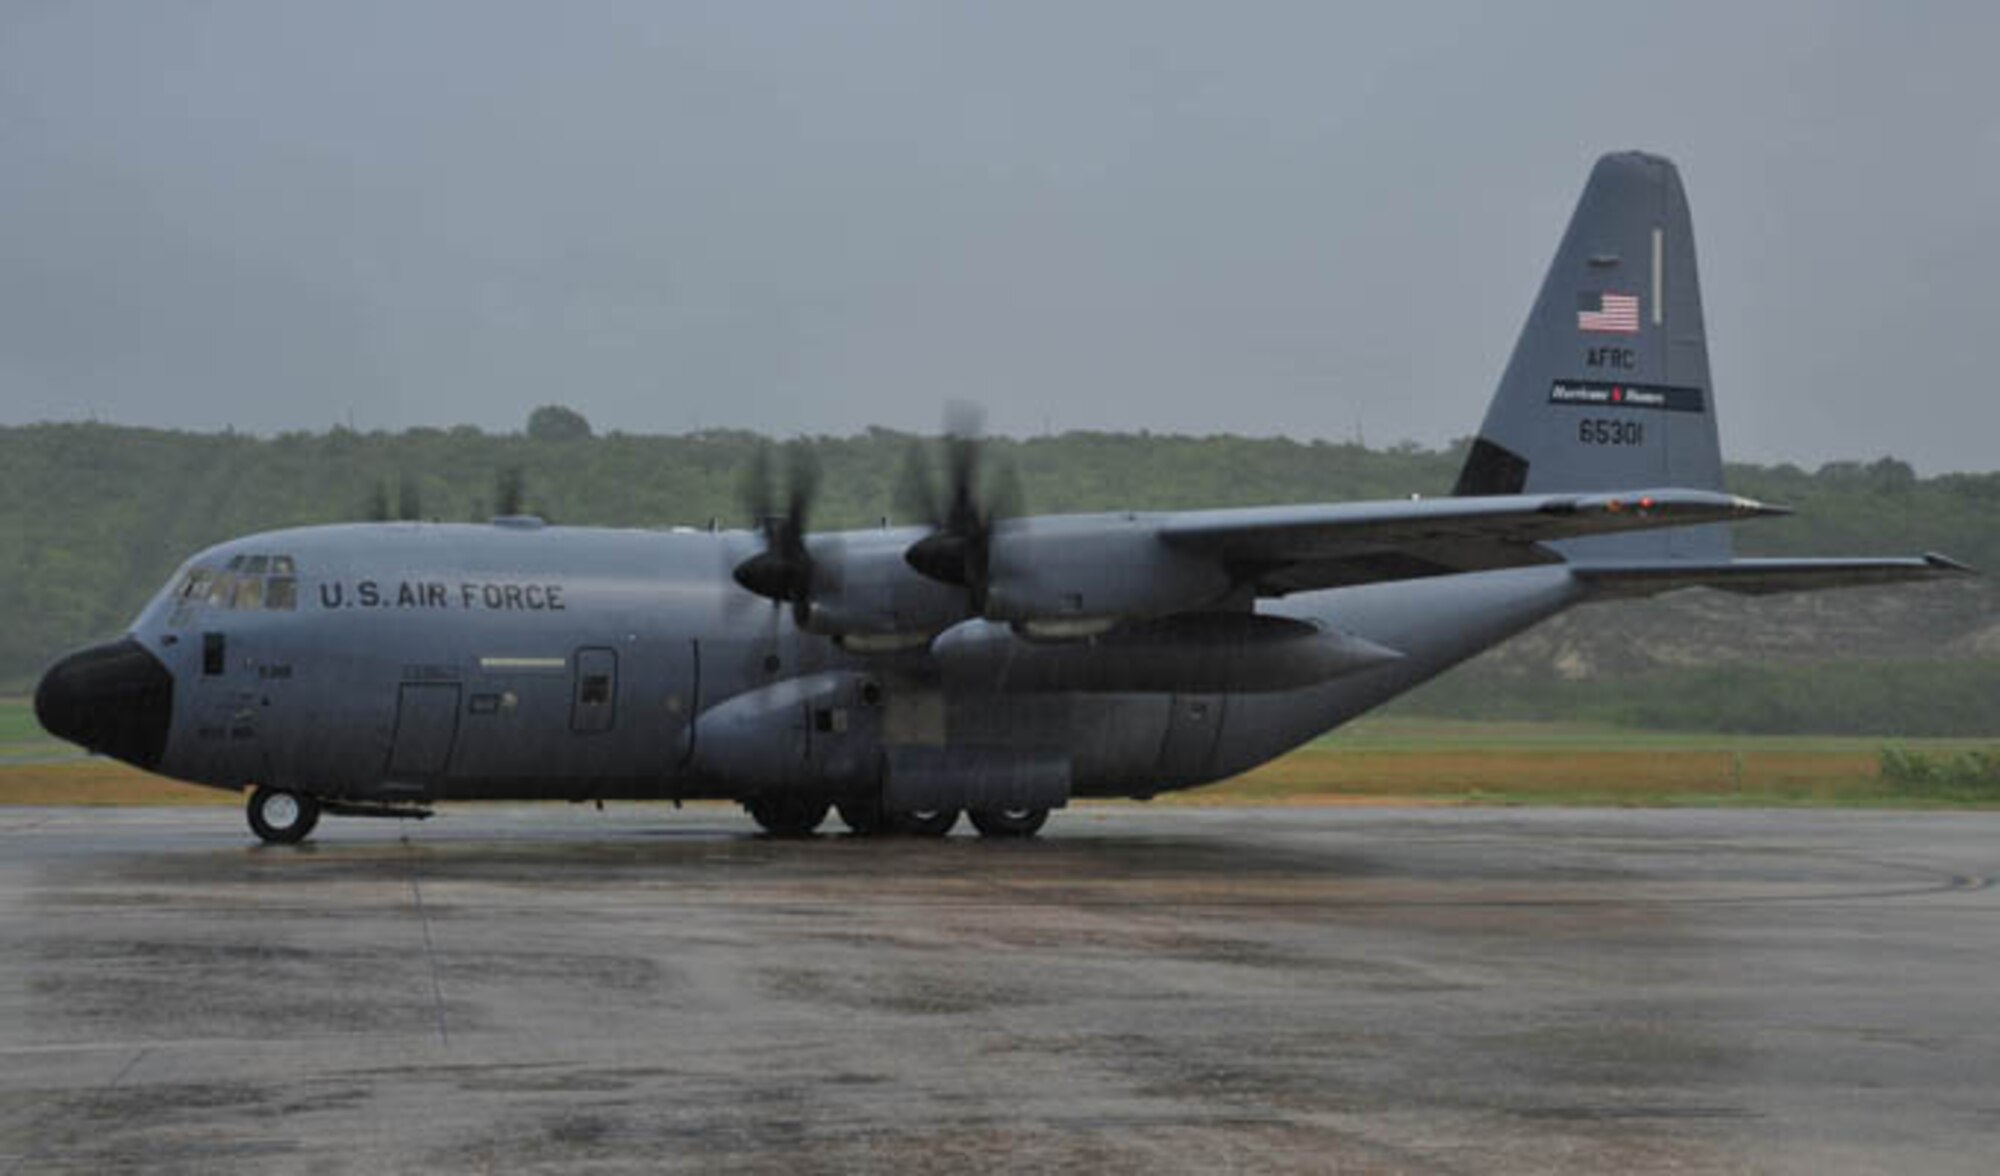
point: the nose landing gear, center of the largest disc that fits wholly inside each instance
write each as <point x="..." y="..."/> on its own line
<point x="282" y="817"/>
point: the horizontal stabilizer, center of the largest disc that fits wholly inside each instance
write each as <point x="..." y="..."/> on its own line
<point x="1762" y="577"/>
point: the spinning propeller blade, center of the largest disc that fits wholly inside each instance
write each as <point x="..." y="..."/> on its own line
<point x="784" y="572"/>
<point x="963" y="515"/>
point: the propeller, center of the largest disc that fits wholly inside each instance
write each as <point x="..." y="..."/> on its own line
<point x="409" y="500"/>
<point x="784" y="572"/>
<point x="964" y="515"/>
<point x="509" y="491"/>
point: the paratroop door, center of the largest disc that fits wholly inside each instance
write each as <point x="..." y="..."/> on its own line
<point x="426" y="723"/>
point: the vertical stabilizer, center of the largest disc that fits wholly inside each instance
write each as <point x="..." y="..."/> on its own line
<point x="1608" y="386"/>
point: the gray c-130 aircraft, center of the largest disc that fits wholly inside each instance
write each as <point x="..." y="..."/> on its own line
<point x="979" y="664"/>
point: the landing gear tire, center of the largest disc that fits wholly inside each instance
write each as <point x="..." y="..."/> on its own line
<point x="863" y="816"/>
<point x="282" y="817"/>
<point x="788" y="816"/>
<point x="923" y="822"/>
<point x="1017" y="823"/>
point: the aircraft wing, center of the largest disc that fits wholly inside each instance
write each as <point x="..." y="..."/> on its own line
<point x="1762" y="577"/>
<point x="1297" y="548"/>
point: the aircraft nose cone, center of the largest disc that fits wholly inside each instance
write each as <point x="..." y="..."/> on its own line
<point x="116" y="699"/>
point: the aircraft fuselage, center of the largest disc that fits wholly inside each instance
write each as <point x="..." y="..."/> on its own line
<point x="418" y="662"/>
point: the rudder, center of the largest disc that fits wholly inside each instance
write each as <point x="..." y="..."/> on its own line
<point x="1608" y="387"/>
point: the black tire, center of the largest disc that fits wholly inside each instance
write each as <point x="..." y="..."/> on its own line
<point x="788" y="816"/>
<point x="862" y="815"/>
<point x="923" y="822"/>
<point x="280" y="816"/>
<point x="1009" y="822"/>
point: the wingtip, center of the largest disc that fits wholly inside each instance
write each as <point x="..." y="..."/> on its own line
<point x="1750" y="508"/>
<point x="1948" y="565"/>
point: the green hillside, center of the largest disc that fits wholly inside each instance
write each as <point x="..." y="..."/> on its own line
<point x="94" y="517"/>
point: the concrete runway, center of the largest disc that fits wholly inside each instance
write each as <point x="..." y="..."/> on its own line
<point x="1449" y="990"/>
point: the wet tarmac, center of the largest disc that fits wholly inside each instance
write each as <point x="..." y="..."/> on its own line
<point x="554" y="989"/>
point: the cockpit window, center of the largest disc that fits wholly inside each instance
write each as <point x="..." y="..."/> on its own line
<point x="248" y="583"/>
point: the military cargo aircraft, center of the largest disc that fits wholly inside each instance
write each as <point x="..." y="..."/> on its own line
<point x="980" y="664"/>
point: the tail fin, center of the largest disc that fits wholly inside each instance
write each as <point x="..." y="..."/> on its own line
<point x="1608" y="386"/>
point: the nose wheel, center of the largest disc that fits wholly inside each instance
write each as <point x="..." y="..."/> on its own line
<point x="280" y="816"/>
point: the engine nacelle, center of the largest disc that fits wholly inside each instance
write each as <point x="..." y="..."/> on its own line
<point x="1060" y="577"/>
<point x="1063" y="573"/>
<point x="864" y="589"/>
<point x="1194" y="653"/>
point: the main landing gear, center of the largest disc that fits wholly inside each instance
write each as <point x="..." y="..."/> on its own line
<point x="923" y="822"/>
<point x="282" y="817"/>
<point x="793" y="816"/>
<point x="1009" y="822"/>
<point x="788" y="816"/>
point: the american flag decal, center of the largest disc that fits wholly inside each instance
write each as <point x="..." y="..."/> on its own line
<point x="1607" y="313"/>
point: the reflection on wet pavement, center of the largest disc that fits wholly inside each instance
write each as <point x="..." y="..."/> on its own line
<point x="1438" y="990"/>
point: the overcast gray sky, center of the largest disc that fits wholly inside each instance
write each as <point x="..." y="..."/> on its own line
<point x="1266" y="218"/>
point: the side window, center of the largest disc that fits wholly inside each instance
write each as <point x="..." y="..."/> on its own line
<point x="249" y="593"/>
<point x="593" y="701"/>
<point x="281" y="593"/>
